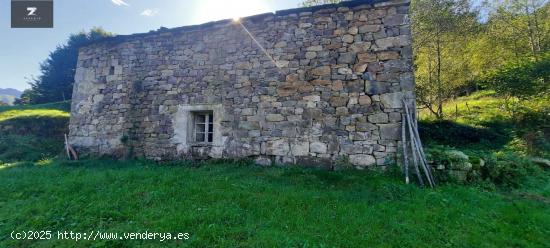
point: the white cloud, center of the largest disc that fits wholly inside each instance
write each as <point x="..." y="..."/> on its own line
<point x="120" y="2"/>
<point x="150" y="12"/>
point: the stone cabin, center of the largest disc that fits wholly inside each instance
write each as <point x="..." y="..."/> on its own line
<point x="309" y="85"/>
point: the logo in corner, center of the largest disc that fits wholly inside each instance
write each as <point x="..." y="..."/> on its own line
<point x="32" y="13"/>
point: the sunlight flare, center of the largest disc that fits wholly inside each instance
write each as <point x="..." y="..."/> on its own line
<point x="214" y="10"/>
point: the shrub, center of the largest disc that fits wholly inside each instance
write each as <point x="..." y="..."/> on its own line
<point x="520" y="82"/>
<point x="534" y="126"/>
<point x="522" y="79"/>
<point x="507" y="169"/>
<point x="501" y="169"/>
<point x="538" y="142"/>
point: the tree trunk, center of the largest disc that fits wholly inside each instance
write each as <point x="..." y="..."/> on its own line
<point x="536" y="28"/>
<point x="531" y="32"/>
<point x="438" y="79"/>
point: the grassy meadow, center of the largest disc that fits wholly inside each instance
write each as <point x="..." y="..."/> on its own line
<point x="224" y="203"/>
<point x="229" y="204"/>
<point x="480" y="123"/>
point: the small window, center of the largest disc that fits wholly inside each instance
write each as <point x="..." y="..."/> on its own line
<point x="112" y="70"/>
<point x="204" y="127"/>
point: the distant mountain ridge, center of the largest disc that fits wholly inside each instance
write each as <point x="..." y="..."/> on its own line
<point x="8" y="95"/>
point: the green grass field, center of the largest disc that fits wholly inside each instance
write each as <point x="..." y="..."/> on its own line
<point x="238" y="204"/>
<point x="483" y="116"/>
<point x="228" y="204"/>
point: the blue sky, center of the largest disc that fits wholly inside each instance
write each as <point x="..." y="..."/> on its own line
<point x="23" y="49"/>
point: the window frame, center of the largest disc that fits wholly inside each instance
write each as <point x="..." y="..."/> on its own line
<point x="208" y="132"/>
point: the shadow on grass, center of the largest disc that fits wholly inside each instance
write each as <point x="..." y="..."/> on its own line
<point x="29" y="147"/>
<point x="43" y="126"/>
<point x="492" y="135"/>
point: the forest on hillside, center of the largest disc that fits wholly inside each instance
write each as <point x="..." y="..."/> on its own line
<point x="460" y="47"/>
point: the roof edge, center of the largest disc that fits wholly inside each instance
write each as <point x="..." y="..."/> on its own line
<point x="348" y="4"/>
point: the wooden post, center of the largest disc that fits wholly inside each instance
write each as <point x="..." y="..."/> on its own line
<point x="413" y="154"/>
<point x="67" y="147"/>
<point x="422" y="154"/>
<point x="416" y="149"/>
<point x="404" y="143"/>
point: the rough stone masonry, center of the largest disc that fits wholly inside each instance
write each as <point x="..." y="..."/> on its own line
<point x="309" y="86"/>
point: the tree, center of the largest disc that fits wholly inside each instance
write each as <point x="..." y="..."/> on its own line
<point x="505" y="37"/>
<point x="529" y="11"/>
<point x="544" y="15"/>
<point x="55" y="82"/>
<point x="520" y="81"/>
<point x="441" y="28"/>
<point x="520" y="26"/>
<point x="25" y="97"/>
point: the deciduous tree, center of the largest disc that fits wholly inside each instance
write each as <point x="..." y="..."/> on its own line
<point x="441" y="31"/>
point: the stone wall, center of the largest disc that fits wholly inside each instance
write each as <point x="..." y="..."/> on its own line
<point x="314" y="85"/>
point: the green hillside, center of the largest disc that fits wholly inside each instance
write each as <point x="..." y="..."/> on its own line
<point x="31" y="133"/>
<point x="479" y="123"/>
